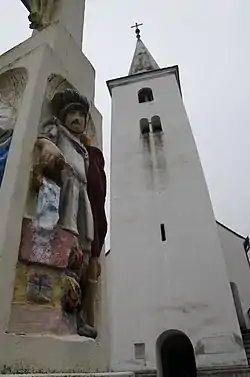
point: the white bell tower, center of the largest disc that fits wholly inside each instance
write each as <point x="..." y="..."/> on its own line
<point x="167" y="267"/>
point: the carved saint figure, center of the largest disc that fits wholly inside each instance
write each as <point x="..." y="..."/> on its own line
<point x="5" y="141"/>
<point x="41" y="12"/>
<point x="5" y="135"/>
<point x="12" y="86"/>
<point x="77" y="168"/>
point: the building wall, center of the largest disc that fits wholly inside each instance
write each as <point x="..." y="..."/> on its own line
<point x="181" y="283"/>
<point x="237" y="264"/>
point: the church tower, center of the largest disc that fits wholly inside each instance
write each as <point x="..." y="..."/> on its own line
<point x="168" y="274"/>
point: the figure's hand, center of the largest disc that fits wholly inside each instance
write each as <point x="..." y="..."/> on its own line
<point x="49" y="154"/>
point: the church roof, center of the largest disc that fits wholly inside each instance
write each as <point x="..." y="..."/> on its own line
<point x="142" y="61"/>
<point x="230" y="230"/>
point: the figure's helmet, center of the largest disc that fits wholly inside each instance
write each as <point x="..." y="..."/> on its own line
<point x="69" y="100"/>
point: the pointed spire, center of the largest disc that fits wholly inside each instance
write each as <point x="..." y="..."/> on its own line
<point x="142" y="61"/>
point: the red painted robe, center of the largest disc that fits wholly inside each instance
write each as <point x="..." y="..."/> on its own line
<point x="96" y="187"/>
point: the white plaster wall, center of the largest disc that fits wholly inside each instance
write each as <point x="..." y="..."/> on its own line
<point x="237" y="264"/>
<point x="154" y="285"/>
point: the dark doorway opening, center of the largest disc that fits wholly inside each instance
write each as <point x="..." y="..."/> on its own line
<point x="175" y="355"/>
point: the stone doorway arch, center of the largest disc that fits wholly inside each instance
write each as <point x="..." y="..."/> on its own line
<point x="175" y="355"/>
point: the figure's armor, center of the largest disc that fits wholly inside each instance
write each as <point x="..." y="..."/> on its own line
<point x="75" y="213"/>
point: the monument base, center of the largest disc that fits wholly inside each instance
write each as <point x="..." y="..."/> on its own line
<point x="52" y="354"/>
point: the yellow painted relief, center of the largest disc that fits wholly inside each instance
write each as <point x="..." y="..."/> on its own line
<point x="24" y="275"/>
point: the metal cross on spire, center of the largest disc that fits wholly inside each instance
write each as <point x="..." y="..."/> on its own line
<point x="137" y="30"/>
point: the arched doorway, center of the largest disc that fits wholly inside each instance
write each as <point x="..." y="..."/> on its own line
<point x="175" y="355"/>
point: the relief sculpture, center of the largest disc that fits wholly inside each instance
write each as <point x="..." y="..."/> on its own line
<point x="12" y="85"/>
<point x="41" y="12"/>
<point x="67" y="233"/>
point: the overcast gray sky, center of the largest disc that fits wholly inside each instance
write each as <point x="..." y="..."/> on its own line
<point x="209" y="40"/>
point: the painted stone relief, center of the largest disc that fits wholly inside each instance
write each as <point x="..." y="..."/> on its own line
<point x="12" y="86"/>
<point x="61" y="243"/>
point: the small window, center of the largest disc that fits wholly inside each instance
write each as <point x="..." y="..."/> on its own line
<point x="144" y="126"/>
<point x="163" y="233"/>
<point x="145" y="95"/>
<point x="139" y="351"/>
<point x="156" y="124"/>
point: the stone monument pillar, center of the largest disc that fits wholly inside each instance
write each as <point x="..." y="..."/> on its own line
<point x="46" y="296"/>
<point x="45" y="12"/>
